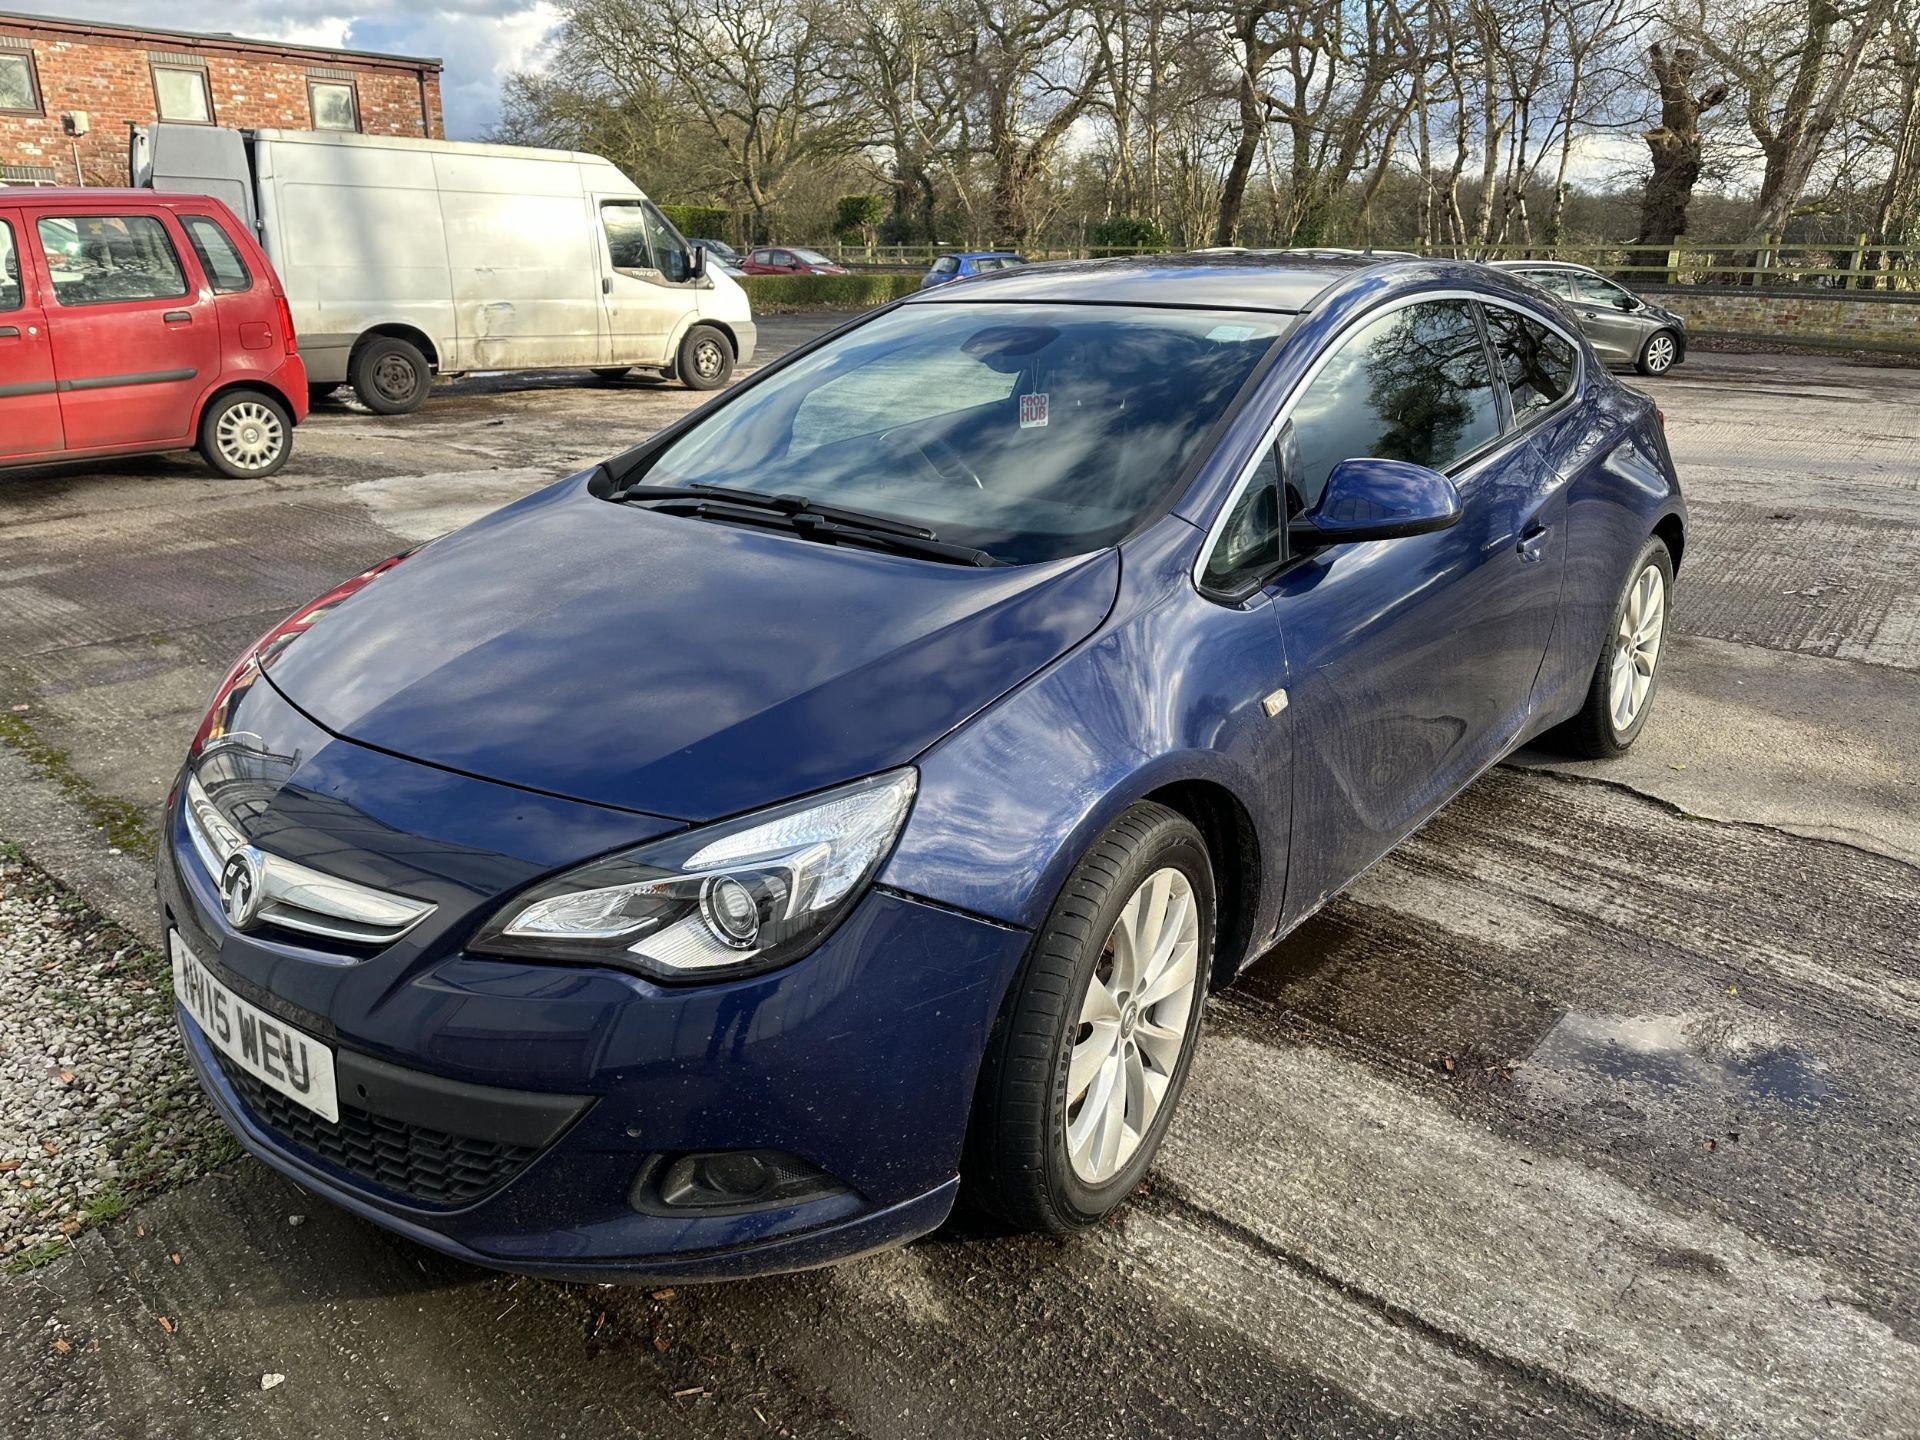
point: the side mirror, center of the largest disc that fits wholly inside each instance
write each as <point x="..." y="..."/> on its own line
<point x="1626" y="302"/>
<point x="696" y="262"/>
<point x="1369" y="499"/>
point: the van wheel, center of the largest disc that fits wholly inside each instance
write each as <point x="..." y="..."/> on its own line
<point x="612" y="372"/>
<point x="1091" y="1050"/>
<point x="706" y="359"/>
<point x="390" y="376"/>
<point x="246" y="435"/>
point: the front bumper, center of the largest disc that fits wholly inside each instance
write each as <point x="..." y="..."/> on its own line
<point x="860" y="1058"/>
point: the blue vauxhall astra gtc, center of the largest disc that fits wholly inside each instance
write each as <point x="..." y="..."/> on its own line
<point x="720" y="861"/>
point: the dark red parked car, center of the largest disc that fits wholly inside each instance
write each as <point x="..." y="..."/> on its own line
<point x="133" y="322"/>
<point x="788" y="260"/>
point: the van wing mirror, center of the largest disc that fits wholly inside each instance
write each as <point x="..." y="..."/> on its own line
<point x="696" y="262"/>
<point x="1370" y="499"/>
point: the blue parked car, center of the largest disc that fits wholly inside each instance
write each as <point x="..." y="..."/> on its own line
<point x="843" y="801"/>
<point x="965" y="263"/>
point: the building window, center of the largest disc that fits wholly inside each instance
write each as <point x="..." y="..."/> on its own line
<point x="19" y="86"/>
<point x="182" y="95"/>
<point x="334" y="104"/>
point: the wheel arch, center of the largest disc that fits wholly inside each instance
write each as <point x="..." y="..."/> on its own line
<point x="258" y="384"/>
<point x="687" y="322"/>
<point x="1671" y="530"/>
<point x="1233" y="845"/>
<point x="396" y="330"/>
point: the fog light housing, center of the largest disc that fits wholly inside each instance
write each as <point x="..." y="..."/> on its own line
<point x="728" y="1182"/>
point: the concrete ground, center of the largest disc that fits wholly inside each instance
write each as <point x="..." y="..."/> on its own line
<point x="1591" y="1111"/>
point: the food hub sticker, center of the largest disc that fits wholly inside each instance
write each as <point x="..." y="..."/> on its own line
<point x="1033" y="410"/>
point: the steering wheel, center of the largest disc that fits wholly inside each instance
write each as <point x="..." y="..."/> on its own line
<point x="931" y="452"/>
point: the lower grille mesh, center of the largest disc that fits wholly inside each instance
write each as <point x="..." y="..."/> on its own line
<point x="432" y="1167"/>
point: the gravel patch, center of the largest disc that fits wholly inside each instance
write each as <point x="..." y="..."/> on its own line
<point x="97" y="1105"/>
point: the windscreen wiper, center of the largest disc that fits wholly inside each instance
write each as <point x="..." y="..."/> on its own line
<point x="783" y="504"/>
<point x="813" y="523"/>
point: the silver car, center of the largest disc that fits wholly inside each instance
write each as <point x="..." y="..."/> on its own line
<point x="1625" y="328"/>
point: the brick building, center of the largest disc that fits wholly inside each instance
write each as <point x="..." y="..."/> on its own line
<point x="117" y="75"/>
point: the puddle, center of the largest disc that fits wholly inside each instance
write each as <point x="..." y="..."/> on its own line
<point x="1671" y="1052"/>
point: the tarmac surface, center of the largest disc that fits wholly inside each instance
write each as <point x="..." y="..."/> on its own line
<point x="1592" y="1111"/>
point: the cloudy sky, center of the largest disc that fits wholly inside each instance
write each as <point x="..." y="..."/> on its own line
<point x="480" y="40"/>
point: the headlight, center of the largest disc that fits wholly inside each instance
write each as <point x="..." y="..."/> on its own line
<point x="717" y="901"/>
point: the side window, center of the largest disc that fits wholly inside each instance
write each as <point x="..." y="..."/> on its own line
<point x="104" y="259"/>
<point x="1595" y="291"/>
<point x="11" y="296"/>
<point x="669" y="250"/>
<point x="1248" y="549"/>
<point x="626" y="227"/>
<point x="1554" y="280"/>
<point x="1413" y="385"/>
<point x="1537" y="363"/>
<point x="779" y="257"/>
<point x="945" y="265"/>
<point x="226" y="271"/>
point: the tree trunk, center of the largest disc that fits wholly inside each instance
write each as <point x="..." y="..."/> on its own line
<point x="1675" y="146"/>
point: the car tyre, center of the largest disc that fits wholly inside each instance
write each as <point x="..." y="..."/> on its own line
<point x="706" y="359"/>
<point x="1037" y="1151"/>
<point x="389" y="375"/>
<point x="1627" y="674"/>
<point x="246" y="435"/>
<point x="612" y="372"/>
<point x="1659" y="354"/>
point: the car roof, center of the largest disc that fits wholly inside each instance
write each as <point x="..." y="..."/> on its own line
<point x="1276" y="281"/>
<point x="95" y="195"/>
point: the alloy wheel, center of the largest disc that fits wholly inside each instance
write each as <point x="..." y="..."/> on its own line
<point x="249" y="435"/>
<point x="1660" y="353"/>
<point x="1636" y="648"/>
<point x="1136" y="1019"/>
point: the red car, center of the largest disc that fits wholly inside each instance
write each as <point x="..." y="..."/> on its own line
<point x="788" y="260"/>
<point x="132" y="322"/>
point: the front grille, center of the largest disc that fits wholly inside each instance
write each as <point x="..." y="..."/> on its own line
<point x="431" y="1167"/>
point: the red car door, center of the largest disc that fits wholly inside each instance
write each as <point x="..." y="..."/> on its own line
<point x="136" y="340"/>
<point x="29" y="404"/>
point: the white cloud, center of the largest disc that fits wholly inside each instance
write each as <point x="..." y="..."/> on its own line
<point x="480" y="41"/>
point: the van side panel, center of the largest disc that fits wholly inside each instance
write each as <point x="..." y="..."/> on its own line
<point x="525" y="273"/>
<point x="359" y="244"/>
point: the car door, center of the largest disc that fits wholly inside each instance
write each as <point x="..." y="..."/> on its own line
<point x="29" y="401"/>
<point x="1410" y="661"/>
<point x="650" y="286"/>
<point x="1605" y="312"/>
<point x="136" y="338"/>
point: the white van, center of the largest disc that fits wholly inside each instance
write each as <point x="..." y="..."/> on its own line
<point x="403" y="259"/>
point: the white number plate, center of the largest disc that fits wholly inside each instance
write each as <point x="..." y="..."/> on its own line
<point x="267" y="1048"/>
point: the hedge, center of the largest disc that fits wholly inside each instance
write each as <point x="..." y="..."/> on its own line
<point x="700" y="222"/>
<point x="783" y="294"/>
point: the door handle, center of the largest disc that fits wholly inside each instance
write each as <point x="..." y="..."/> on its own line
<point x="606" y="284"/>
<point x="1533" y="541"/>
<point x="9" y="332"/>
<point x="178" y="317"/>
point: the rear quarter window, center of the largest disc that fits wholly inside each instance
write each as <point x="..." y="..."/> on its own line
<point x="1539" y="365"/>
<point x="219" y="257"/>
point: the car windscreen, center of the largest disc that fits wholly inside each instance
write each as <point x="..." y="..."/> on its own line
<point x="1028" y="431"/>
